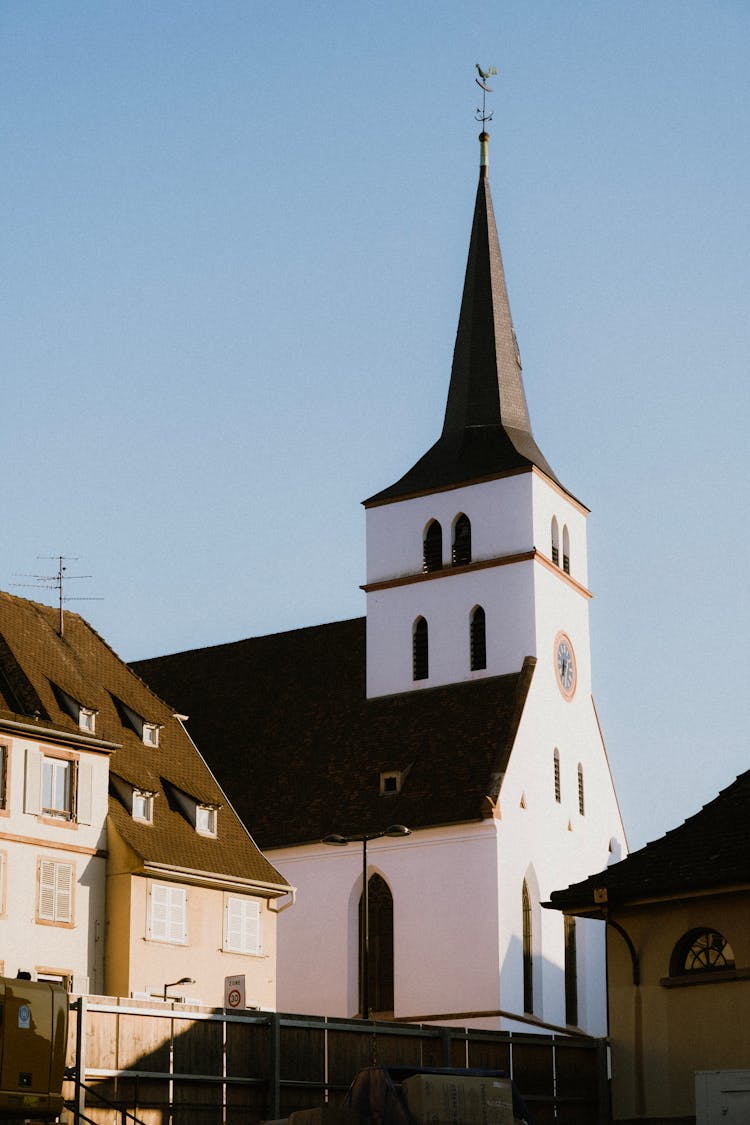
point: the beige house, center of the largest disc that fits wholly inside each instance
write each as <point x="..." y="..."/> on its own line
<point x="123" y="868"/>
<point x="678" y="951"/>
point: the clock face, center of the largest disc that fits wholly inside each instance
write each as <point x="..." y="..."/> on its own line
<point x="565" y="665"/>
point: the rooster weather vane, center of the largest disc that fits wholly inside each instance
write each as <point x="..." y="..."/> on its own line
<point x="481" y="81"/>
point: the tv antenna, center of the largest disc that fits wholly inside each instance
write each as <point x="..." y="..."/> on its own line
<point x="57" y="582"/>
<point x="481" y="81"/>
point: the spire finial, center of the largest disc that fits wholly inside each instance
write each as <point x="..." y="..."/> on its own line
<point x="483" y="116"/>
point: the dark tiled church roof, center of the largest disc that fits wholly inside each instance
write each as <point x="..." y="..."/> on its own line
<point x="39" y="669"/>
<point x="487" y="430"/>
<point x="284" y="724"/>
<point x="710" y="850"/>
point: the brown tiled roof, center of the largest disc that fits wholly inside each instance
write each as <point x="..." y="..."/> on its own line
<point x="37" y="666"/>
<point x="284" y="722"/>
<point x="709" y="851"/>
<point x="487" y="430"/>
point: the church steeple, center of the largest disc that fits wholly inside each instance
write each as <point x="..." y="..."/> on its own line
<point x="486" y="431"/>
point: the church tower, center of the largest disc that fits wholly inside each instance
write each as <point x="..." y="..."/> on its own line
<point x="476" y="557"/>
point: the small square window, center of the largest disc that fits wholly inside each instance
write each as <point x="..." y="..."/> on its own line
<point x="390" y="783"/>
<point x="205" y="820"/>
<point x="87" y="720"/>
<point x="143" y="807"/>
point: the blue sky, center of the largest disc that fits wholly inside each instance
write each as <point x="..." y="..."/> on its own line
<point x="233" y="249"/>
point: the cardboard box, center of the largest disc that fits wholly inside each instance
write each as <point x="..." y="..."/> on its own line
<point x="442" y="1099"/>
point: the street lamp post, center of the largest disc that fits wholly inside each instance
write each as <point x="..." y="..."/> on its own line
<point x="174" y="983"/>
<point x="364" y="934"/>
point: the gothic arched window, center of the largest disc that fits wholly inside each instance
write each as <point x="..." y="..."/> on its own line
<point x="701" y="951"/>
<point x="556" y="767"/>
<point x="461" y="550"/>
<point x="478" y="639"/>
<point x="581" y="802"/>
<point x="528" y="956"/>
<point x="420" y="650"/>
<point x="432" y="547"/>
<point x="379" y="946"/>
<point x="566" y="549"/>
<point x="555" y="536"/>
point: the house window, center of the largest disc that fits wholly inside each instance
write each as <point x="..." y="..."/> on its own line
<point x="555" y="542"/>
<point x="478" y="639"/>
<point x="566" y="549"/>
<point x="205" y="820"/>
<point x="150" y="734"/>
<point x="87" y="720"/>
<point x="556" y="762"/>
<point x="143" y="806"/>
<point x="167" y="914"/>
<point x="581" y="802"/>
<point x="390" y="783"/>
<point x="528" y="962"/>
<point x="571" y="972"/>
<point x="379" y="996"/>
<point x="54" y="892"/>
<point x="420" y="652"/>
<point x="461" y="550"/>
<point x="241" y="925"/>
<point x="701" y="951"/>
<point x="432" y="547"/>
<point x="57" y="787"/>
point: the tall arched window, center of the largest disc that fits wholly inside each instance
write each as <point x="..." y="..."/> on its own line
<point x="581" y="801"/>
<point x="420" y="650"/>
<point x="566" y="549"/>
<point x="571" y="972"/>
<point x="461" y="550"/>
<point x="555" y="542"/>
<point x="556" y="767"/>
<point x="379" y="946"/>
<point x="478" y="639"/>
<point x="528" y="957"/>
<point x="432" y="547"/>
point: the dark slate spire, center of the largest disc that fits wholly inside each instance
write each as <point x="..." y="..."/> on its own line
<point x="487" y="429"/>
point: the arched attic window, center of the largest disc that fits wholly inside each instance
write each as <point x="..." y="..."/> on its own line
<point x="566" y="549"/>
<point x="420" y="650"/>
<point x="528" y="958"/>
<point x="432" y="547"/>
<point x="478" y="639"/>
<point x="461" y="548"/>
<point x="701" y="951"/>
<point x="555" y="542"/>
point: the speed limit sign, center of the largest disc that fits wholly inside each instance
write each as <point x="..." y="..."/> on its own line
<point x="234" y="992"/>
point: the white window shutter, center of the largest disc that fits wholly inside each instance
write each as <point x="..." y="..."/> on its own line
<point x="242" y="933"/>
<point x="47" y="890"/>
<point x="33" y="782"/>
<point x="84" y="799"/>
<point x="63" y="892"/>
<point x="168" y="915"/>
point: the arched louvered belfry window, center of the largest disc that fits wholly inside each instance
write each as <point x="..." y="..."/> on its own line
<point x="420" y="650"/>
<point x="556" y="767"/>
<point x="566" y="549"/>
<point x="701" y="951"/>
<point x="461" y="549"/>
<point x="379" y="947"/>
<point x="581" y="798"/>
<point x="432" y="547"/>
<point x="571" y="972"/>
<point x="478" y="639"/>
<point x="528" y="956"/>
<point x="555" y="535"/>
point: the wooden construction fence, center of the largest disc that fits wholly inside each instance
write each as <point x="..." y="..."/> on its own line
<point x="198" y="1066"/>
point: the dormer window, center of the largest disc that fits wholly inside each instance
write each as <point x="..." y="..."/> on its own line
<point x="391" y="782"/>
<point x="205" y="820"/>
<point x="150" y="734"/>
<point x="87" y="720"/>
<point x="143" y="806"/>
